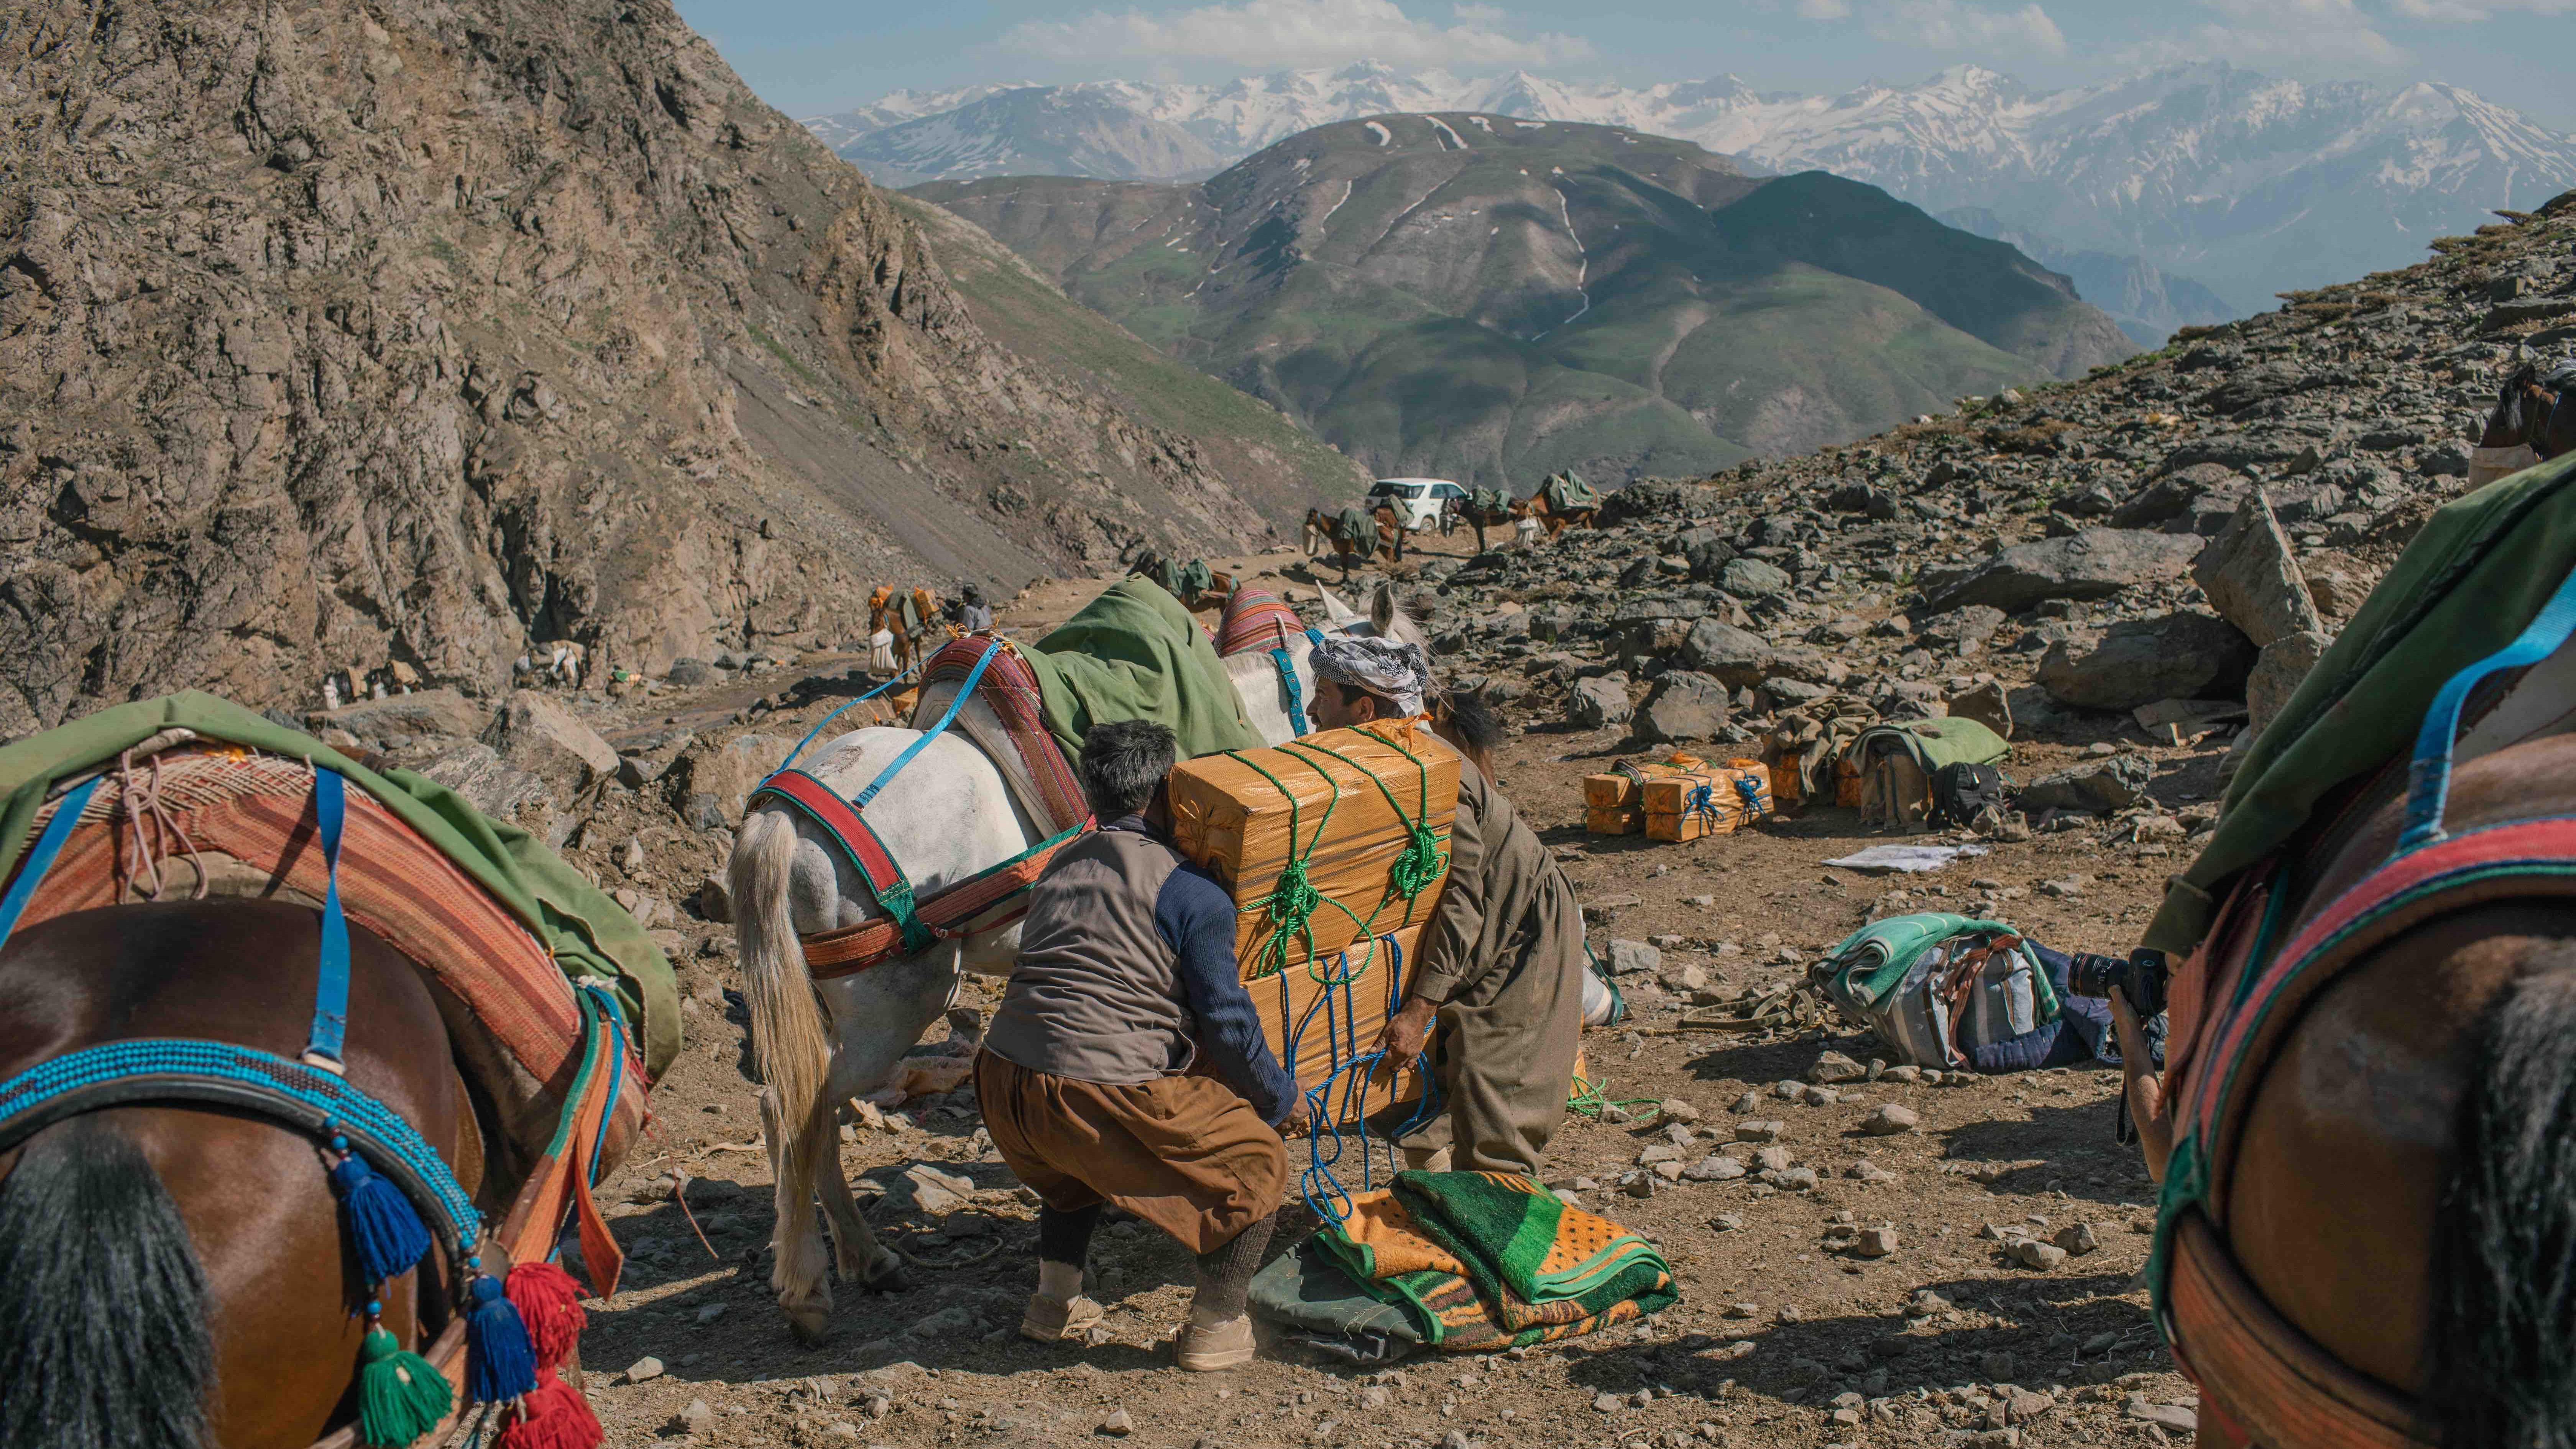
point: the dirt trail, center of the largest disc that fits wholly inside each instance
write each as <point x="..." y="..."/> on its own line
<point x="1782" y="1337"/>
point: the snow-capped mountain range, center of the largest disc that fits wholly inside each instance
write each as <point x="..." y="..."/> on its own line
<point x="2248" y="184"/>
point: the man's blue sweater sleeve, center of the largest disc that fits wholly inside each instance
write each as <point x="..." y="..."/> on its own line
<point x="1196" y="916"/>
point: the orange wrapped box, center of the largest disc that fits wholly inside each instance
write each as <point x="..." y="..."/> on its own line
<point x="1711" y="800"/>
<point x="1351" y="799"/>
<point x="1614" y="801"/>
<point x="1344" y="1028"/>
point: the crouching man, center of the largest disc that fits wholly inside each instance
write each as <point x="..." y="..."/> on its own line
<point x="1502" y="962"/>
<point x="1125" y="981"/>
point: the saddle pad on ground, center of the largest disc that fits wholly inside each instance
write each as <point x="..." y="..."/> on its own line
<point x="249" y="819"/>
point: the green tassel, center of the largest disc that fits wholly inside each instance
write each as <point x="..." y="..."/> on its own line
<point x="400" y="1394"/>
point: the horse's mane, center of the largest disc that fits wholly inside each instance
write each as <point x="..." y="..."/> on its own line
<point x="2514" y="397"/>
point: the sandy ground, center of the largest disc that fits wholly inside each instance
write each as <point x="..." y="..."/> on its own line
<point x="1783" y="1337"/>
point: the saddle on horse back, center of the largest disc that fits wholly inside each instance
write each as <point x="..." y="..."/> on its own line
<point x="1355" y="530"/>
<point x="2342" y="839"/>
<point x="560" y="1010"/>
<point x="1132" y="653"/>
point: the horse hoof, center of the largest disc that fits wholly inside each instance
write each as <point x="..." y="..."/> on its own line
<point x="811" y="1322"/>
<point x="885" y="1275"/>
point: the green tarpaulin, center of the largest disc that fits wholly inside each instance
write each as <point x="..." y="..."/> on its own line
<point x="2473" y="579"/>
<point x="1568" y="493"/>
<point x="1135" y="653"/>
<point x="588" y="933"/>
<point x="1951" y="740"/>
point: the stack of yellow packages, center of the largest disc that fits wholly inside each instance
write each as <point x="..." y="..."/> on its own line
<point x="1335" y="847"/>
<point x="1706" y="800"/>
<point x="1614" y="803"/>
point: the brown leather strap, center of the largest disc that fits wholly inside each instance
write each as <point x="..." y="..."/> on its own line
<point x="2272" y="1379"/>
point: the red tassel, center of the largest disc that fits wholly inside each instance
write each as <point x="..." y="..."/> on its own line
<point x="554" y="1415"/>
<point x="549" y="1302"/>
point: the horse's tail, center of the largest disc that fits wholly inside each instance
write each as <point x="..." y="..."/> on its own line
<point x="2503" y="1340"/>
<point x="789" y="1043"/>
<point x="103" y="1338"/>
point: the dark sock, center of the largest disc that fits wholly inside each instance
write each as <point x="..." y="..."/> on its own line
<point x="1225" y="1275"/>
<point x="1066" y="1237"/>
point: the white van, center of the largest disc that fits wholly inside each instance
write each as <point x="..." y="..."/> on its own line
<point x="1418" y="502"/>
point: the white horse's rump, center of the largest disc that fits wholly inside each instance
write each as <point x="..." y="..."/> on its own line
<point x="946" y="817"/>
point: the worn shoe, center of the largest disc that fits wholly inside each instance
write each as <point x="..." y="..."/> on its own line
<point x="1206" y="1350"/>
<point x="1053" y="1320"/>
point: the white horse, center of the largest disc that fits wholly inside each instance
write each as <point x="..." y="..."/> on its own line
<point x="947" y="816"/>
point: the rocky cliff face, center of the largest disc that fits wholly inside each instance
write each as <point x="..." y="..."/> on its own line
<point x="336" y="335"/>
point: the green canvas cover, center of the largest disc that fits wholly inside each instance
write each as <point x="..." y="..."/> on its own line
<point x="1568" y="493"/>
<point x="1355" y="528"/>
<point x="1937" y="742"/>
<point x="2472" y="580"/>
<point x="590" y="935"/>
<point x="1489" y="500"/>
<point x="1135" y="653"/>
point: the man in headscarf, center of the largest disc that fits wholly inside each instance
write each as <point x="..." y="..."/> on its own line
<point x="1502" y="957"/>
<point x="976" y="616"/>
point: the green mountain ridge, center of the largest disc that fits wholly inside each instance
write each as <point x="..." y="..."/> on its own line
<point x="1489" y="300"/>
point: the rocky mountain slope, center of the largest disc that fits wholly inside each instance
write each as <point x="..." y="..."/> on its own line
<point x="334" y="337"/>
<point x="2233" y="180"/>
<point x="1489" y="300"/>
<point x="2160" y="550"/>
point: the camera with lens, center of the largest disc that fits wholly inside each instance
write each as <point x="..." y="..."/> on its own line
<point x="2141" y="977"/>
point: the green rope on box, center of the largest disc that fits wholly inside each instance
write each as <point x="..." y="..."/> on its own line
<point x="1293" y="899"/>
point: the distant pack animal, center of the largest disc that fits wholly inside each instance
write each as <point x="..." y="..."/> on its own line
<point x="1565" y="501"/>
<point x="2533" y="421"/>
<point x="1354" y="536"/>
<point x="1485" y="508"/>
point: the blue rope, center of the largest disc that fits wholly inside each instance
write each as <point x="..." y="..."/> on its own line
<point x="2428" y="787"/>
<point x="40" y="856"/>
<point x="965" y="692"/>
<point x="1318" y="1184"/>
<point x="327" y="1094"/>
<point x="614" y="1015"/>
<point x="836" y="714"/>
<point x="331" y="990"/>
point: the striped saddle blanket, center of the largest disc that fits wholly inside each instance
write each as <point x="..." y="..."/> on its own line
<point x="1255" y="619"/>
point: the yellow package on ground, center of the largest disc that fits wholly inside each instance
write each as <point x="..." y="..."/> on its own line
<point x="1362" y="815"/>
<point x="1615" y="820"/>
<point x="1711" y="800"/>
<point x="1323" y="1015"/>
<point x="1614" y="801"/>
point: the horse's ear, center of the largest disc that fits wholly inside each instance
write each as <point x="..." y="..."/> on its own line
<point x="1335" y="611"/>
<point x="1382" y="611"/>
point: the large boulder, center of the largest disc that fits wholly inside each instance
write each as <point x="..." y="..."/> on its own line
<point x="1751" y="578"/>
<point x="1646" y="498"/>
<point x="2199" y="499"/>
<point x="2093" y="564"/>
<point x="1739" y="657"/>
<point x="1683" y="707"/>
<point x="2182" y="655"/>
<point x="421" y="712"/>
<point x="720" y="778"/>
<point x="490" y="784"/>
<point x="1602" y="701"/>
<point x="2253" y="579"/>
<point x="2095" y="787"/>
<point x="2277" y="672"/>
<point x="536" y="734"/>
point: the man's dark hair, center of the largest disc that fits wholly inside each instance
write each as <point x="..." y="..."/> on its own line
<point x="1123" y="763"/>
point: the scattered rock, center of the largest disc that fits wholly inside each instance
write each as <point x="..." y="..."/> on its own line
<point x="699" y="1418"/>
<point x="1889" y="1120"/>
<point x="2077" y="1239"/>
<point x="2253" y="580"/>
<point x="1683" y="707"/>
<point x="1714" y="1168"/>
<point x="1602" y="701"/>
<point x="1877" y="1242"/>
<point x="644" y="1370"/>
<point x="1836" y="1067"/>
<point x="2093" y="564"/>
<point x="1628" y="957"/>
<point x="534" y="733"/>
<point x="2278" y="671"/>
<point x="2182" y="655"/>
<point x="2031" y="1253"/>
<point x="2094" y="786"/>
<point x="1118" y="1425"/>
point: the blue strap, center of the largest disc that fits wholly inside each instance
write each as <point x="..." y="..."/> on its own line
<point x="1314" y="635"/>
<point x="965" y="692"/>
<point x="331" y="996"/>
<point x="1296" y="691"/>
<point x="40" y="856"/>
<point x="836" y="714"/>
<point x="2428" y="784"/>
<point x="613" y="1017"/>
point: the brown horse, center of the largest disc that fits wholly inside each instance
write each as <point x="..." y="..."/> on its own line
<point x="909" y="619"/>
<point x="2533" y="421"/>
<point x="2392" y="1196"/>
<point x="1325" y="536"/>
<point x="1480" y="519"/>
<point x="1536" y="506"/>
<point x="176" y="1274"/>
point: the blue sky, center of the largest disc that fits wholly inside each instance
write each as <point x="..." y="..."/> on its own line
<point x="807" y="56"/>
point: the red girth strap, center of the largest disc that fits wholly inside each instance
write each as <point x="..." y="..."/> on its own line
<point x="850" y="830"/>
<point x="973" y="904"/>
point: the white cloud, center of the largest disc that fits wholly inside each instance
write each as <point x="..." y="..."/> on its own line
<point x="2475" y="10"/>
<point x="2290" y="35"/>
<point x="1951" y="25"/>
<point x="1269" y="34"/>
<point x="1823" y="9"/>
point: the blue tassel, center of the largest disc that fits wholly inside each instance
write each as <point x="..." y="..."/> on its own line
<point x="384" y="1227"/>
<point x="499" y="1363"/>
